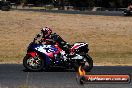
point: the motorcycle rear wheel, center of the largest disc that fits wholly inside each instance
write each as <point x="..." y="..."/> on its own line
<point x="89" y="61"/>
<point x="87" y="67"/>
<point x="31" y="64"/>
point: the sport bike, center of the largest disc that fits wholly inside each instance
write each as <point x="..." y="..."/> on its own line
<point x="44" y="56"/>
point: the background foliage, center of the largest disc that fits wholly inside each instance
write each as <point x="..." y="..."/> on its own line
<point x="79" y="3"/>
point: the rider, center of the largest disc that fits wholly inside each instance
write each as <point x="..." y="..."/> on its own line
<point x="44" y="35"/>
<point x="48" y="37"/>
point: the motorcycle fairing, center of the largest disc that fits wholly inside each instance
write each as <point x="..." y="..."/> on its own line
<point x="49" y="50"/>
<point x="33" y="54"/>
<point x="77" y="45"/>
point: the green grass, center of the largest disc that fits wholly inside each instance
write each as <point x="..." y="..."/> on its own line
<point x="44" y="7"/>
<point x="23" y="86"/>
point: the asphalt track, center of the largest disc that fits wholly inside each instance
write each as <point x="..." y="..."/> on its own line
<point x="104" y="13"/>
<point x="15" y="76"/>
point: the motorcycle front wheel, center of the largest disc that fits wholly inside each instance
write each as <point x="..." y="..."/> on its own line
<point x="33" y="63"/>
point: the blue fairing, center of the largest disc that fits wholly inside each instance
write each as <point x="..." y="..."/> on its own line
<point x="43" y="50"/>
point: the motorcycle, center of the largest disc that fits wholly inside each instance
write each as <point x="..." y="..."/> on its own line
<point x="44" y="56"/>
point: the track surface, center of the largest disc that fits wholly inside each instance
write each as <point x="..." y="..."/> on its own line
<point x="14" y="76"/>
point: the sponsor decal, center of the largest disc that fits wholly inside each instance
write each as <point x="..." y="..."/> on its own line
<point x="83" y="78"/>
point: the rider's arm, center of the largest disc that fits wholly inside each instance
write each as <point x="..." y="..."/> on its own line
<point x="38" y="38"/>
<point x="61" y="42"/>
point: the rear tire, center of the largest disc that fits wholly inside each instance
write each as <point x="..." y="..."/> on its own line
<point x="85" y="67"/>
<point x="26" y="63"/>
<point x="90" y="63"/>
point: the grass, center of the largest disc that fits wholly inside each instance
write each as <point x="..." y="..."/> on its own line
<point x="24" y="86"/>
<point x="113" y="58"/>
<point x="109" y="37"/>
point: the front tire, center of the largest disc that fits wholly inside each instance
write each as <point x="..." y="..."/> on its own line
<point x="33" y="63"/>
